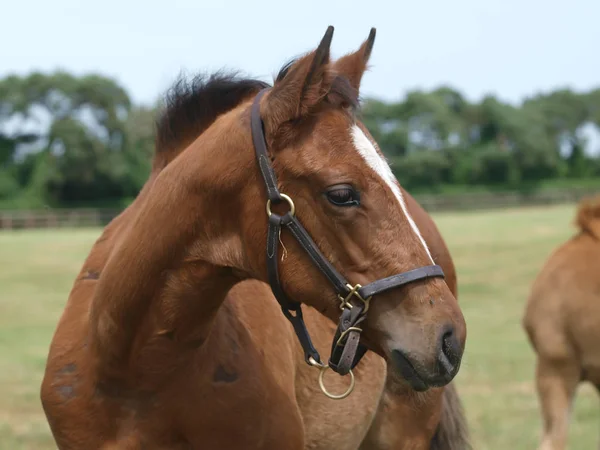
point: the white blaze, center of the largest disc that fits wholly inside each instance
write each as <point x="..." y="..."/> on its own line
<point x="380" y="166"/>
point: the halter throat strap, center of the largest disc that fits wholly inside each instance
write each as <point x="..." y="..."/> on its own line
<point x="346" y="350"/>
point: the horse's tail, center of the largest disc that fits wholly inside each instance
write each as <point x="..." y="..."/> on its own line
<point x="453" y="431"/>
<point x="587" y="218"/>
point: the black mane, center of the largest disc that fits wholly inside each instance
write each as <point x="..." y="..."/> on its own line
<point x="191" y="106"/>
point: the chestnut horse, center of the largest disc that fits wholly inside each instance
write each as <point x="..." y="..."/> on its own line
<point x="562" y="322"/>
<point x="171" y="337"/>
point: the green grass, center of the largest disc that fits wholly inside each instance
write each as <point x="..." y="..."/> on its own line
<point x="497" y="256"/>
<point x="37" y="269"/>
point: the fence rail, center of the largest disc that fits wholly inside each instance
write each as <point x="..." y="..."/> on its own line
<point x="57" y="218"/>
<point x="88" y="217"/>
<point x="485" y="200"/>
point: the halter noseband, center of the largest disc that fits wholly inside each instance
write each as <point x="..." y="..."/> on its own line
<point x="346" y="350"/>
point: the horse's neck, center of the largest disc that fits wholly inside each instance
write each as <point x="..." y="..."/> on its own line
<point x="164" y="261"/>
<point x="178" y="321"/>
<point x="188" y="302"/>
<point x="179" y="318"/>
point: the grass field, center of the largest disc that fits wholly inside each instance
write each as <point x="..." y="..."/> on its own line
<point x="497" y="256"/>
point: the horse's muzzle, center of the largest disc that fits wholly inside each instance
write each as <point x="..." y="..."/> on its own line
<point x="444" y="367"/>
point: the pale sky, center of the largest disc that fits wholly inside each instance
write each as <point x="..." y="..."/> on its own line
<point x="507" y="47"/>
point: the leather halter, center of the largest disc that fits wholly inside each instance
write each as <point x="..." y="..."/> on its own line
<point x="346" y="350"/>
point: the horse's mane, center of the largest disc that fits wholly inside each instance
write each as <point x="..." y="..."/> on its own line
<point x="192" y="105"/>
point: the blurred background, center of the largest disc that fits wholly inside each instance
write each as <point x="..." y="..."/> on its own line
<point x="489" y="113"/>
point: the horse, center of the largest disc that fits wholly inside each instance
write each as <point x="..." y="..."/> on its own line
<point x="188" y="324"/>
<point x="562" y="323"/>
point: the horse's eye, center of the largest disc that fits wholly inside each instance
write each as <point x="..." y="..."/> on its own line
<point x="343" y="195"/>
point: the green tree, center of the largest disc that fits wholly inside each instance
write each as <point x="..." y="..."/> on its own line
<point x="563" y="113"/>
<point x="79" y="122"/>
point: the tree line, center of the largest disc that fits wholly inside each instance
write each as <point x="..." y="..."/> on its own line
<point x="69" y="140"/>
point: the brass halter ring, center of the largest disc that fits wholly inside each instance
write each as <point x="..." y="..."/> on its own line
<point x="289" y="201"/>
<point x="322" y="370"/>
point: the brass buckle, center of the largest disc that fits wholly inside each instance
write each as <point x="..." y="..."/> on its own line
<point x="343" y="335"/>
<point x="289" y="201"/>
<point x="345" y="302"/>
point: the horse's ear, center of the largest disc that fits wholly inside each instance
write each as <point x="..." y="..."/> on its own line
<point x="299" y="87"/>
<point x="353" y="65"/>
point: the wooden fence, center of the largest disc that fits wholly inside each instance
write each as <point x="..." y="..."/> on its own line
<point x="76" y="218"/>
<point x="435" y="203"/>
<point x="56" y="218"/>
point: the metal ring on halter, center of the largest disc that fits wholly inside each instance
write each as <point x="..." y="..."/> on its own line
<point x="287" y="199"/>
<point x="322" y="371"/>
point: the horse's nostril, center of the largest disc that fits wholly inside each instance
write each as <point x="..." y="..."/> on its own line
<point x="446" y="345"/>
<point x="449" y="356"/>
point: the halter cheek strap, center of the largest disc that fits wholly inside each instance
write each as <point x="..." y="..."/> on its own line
<point x="346" y="349"/>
